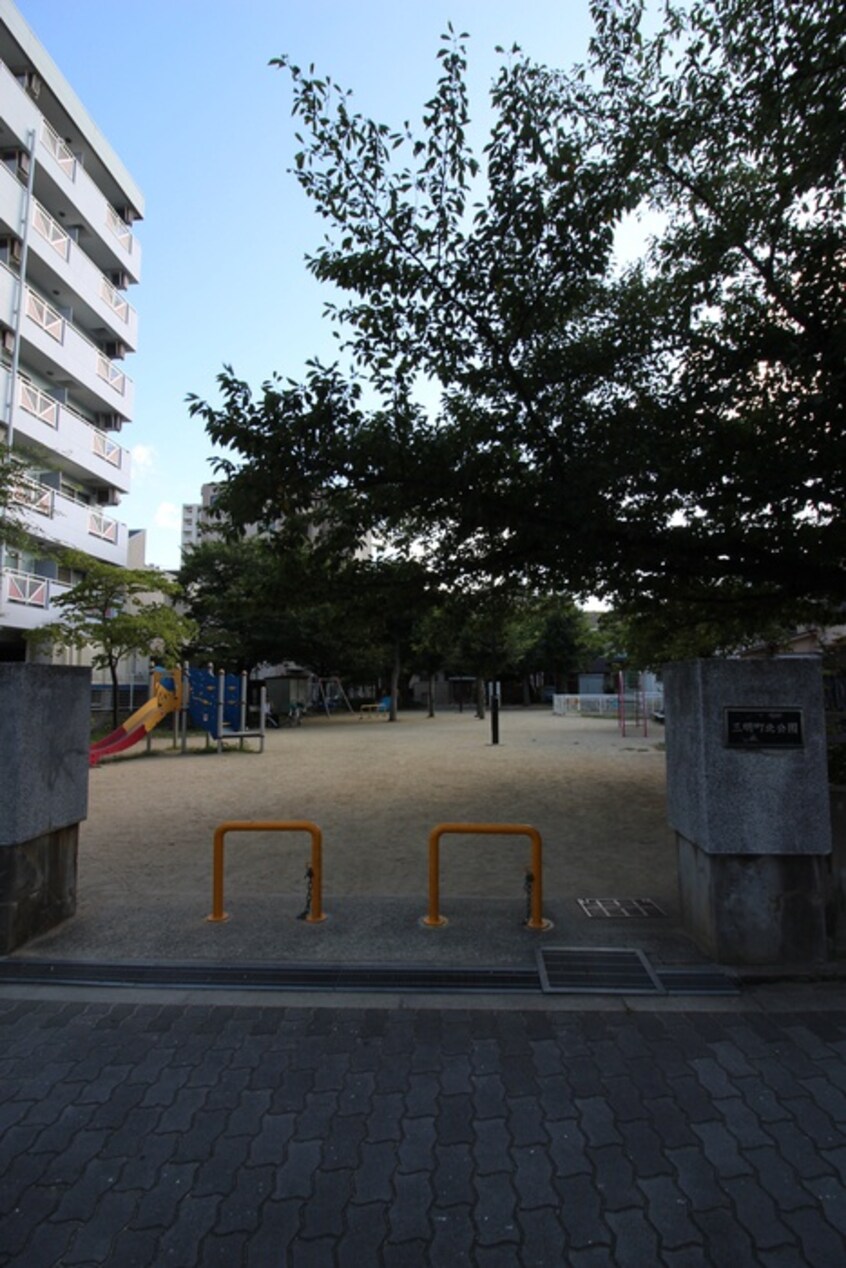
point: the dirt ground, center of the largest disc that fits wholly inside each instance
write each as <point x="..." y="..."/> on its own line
<point x="375" y="789"/>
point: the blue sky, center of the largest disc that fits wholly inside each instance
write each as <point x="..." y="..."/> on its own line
<point x="183" y="92"/>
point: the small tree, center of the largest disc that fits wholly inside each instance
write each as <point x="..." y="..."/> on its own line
<point x="556" y="639"/>
<point x="114" y="612"/>
<point x="12" y="531"/>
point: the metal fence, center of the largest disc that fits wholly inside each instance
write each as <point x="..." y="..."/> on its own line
<point x="607" y="706"/>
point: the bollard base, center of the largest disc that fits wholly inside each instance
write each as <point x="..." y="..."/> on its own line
<point x="437" y="923"/>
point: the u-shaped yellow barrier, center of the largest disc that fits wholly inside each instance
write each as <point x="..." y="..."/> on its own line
<point x="316" y="913"/>
<point x="433" y="916"/>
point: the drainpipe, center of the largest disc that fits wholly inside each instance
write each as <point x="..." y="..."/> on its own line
<point x="17" y="319"/>
<point x="19" y="302"/>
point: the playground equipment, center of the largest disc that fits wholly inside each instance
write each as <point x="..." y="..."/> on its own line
<point x="382" y="708"/>
<point x="535" y="920"/>
<point x="165" y="698"/>
<point x="329" y="693"/>
<point x="635" y="701"/>
<point x="215" y="702"/>
<point x="218" y="704"/>
<point x="313" y="913"/>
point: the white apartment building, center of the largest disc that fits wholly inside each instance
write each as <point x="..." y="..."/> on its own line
<point x="67" y="257"/>
<point x="198" y="521"/>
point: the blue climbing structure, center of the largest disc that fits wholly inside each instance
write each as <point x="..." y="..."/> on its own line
<point x="217" y="704"/>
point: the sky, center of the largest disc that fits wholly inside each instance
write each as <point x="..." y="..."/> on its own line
<point x="183" y="92"/>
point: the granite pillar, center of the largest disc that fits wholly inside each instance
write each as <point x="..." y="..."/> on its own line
<point x="747" y="794"/>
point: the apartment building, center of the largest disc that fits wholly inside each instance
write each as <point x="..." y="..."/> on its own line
<point x="198" y="520"/>
<point x="68" y="256"/>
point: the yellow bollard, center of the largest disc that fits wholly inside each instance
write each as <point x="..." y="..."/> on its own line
<point x="316" y="915"/>
<point x="433" y="917"/>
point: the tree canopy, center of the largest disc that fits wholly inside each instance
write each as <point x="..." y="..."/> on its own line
<point x="664" y="430"/>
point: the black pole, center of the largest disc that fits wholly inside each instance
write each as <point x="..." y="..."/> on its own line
<point x="494" y="719"/>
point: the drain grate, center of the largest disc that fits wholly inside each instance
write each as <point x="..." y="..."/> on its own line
<point x="697" y="979"/>
<point x="292" y="977"/>
<point x="597" y="970"/>
<point x="620" y="908"/>
<point x="559" y="969"/>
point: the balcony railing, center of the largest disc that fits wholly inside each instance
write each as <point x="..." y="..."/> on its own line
<point x="101" y="526"/>
<point x="36" y="497"/>
<point x="51" y="231"/>
<point x="63" y="156"/>
<point x="105" y="447"/>
<point x="47" y="409"/>
<point x="36" y="402"/>
<point x="45" y="316"/>
<point x="26" y="588"/>
<point x="108" y="370"/>
<point x="114" y="299"/>
<point x="119" y="228"/>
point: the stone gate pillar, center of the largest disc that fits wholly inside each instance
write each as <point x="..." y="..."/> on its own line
<point x="747" y="792"/>
<point x="44" y="741"/>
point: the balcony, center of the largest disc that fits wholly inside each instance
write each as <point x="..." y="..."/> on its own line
<point x="36" y="498"/>
<point x="58" y="265"/>
<point x="51" y="231"/>
<point x="68" y="178"/>
<point x="51" y="516"/>
<point x="53" y="347"/>
<point x="64" y="157"/>
<point x="26" y="600"/>
<point x="75" y="445"/>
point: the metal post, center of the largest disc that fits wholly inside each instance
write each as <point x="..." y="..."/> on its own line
<point x="183" y="711"/>
<point x="151" y="687"/>
<point x="221" y="690"/>
<point x="495" y="713"/>
<point x="434" y="918"/>
<point x="316" y="914"/>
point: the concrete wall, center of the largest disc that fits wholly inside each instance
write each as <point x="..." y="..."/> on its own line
<point x="44" y="743"/>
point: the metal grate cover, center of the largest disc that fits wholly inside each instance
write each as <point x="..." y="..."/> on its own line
<point x="620" y="908"/>
<point x="559" y="969"/>
<point x="697" y="979"/>
<point x="292" y="977"/>
<point x="597" y="970"/>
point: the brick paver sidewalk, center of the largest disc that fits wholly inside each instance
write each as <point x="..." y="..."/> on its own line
<point x="194" y="1135"/>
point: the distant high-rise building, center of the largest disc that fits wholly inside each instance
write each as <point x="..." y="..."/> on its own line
<point x="198" y="521"/>
<point x="67" y="256"/>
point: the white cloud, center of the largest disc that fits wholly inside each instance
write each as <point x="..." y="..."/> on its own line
<point x="143" y="460"/>
<point x="168" y="515"/>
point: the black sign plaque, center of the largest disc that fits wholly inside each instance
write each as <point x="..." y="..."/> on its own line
<point x="763" y="728"/>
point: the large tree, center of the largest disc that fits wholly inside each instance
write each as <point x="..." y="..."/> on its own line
<point x="668" y="432"/>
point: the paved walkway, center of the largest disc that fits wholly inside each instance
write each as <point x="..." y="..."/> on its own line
<point x="182" y="1127"/>
<point x="154" y="1133"/>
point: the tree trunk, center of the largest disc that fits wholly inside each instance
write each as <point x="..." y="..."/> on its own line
<point x="395" y="677"/>
<point x="480" y="697"/>
<point x="431" y="694"/>
<point x="113" y="670"/>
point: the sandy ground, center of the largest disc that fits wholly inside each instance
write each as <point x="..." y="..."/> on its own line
<point x="375" y="789"/>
